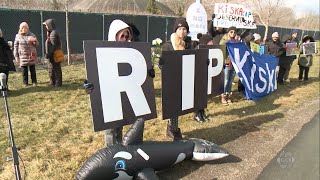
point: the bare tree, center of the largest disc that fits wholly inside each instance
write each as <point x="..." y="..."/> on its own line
<point x="266" y="12"/>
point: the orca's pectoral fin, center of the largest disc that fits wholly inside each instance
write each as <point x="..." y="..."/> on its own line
<point x="147" y="174"/>
<point x="134" y="135"/>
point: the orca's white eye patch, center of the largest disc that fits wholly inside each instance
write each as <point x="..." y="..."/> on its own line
<point x="123" y="154"/>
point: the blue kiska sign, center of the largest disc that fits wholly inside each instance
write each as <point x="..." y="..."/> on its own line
<point x="256" y="72"/>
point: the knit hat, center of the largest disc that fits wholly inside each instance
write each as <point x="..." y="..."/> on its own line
<point x="232" y="28"/>
<point x="180" y="22"/>
<point x="294" y="31"/>
<point x="204" y="38"/>
<point x="257" y="37"/>
<point x="275" y="34"/>
<point x="24" y="24"/>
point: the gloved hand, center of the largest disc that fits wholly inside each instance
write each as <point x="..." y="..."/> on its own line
<point x="88" y="86"/>
<point x="151" y="73"/>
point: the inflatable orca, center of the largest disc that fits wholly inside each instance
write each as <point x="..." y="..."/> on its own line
<point x="135" y="159"/>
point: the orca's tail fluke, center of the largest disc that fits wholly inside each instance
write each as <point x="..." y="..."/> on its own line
<point x="207" y="151"/>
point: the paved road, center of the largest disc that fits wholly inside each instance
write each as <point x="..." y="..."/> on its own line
<point x="299" y="159"/>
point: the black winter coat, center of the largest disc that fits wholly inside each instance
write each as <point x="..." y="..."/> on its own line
<point x="6" y="56"/>
<point x="274" y="48"/>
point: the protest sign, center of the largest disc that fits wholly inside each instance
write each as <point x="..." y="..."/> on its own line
<point x="122" y="90"/>
<point x="184" y="82"/>
<point x="309" y="48"/>
<point x="227" y="15"/>
<point x="256" y="48"/>
<point x="256" y="72"/>
<point x="292" y="49"/>
<point x="197" y="19"/>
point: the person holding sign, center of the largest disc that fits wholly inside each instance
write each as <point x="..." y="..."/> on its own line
<point x="229" y="72"/>
<point x="178" y="41"/>
<point x="305" y="61"/>
<point x="285" y="61"/>
<point x="293" y="39"/>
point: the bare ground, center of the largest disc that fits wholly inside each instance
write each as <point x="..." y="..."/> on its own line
<point x="251" y="152"/>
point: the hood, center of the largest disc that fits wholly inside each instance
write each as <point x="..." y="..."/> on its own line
<point x="115" y="27"/>
<point x="50" y="23"/>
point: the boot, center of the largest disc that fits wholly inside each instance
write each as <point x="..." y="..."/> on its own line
<point x="198" y="117"/>
<point x="175" y="135"/>
<point x="224" y="99"/>
<point x="203" y="115"/>
<point x="228" y="98"/>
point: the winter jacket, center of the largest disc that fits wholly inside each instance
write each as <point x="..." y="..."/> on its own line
<point x="25" y="50"/>
<point x="305" y="60"/>
<point x="284" y="60"/>
<point x="6" y="56"/>
<point x="53" y="41"/>
<point x="172" y="44"/>
<point x="274" y="48"/>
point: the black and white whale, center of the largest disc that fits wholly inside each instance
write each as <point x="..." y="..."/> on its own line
<point x="135" y="159"/>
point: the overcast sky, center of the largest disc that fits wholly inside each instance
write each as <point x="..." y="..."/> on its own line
<point x="303" y="6"/>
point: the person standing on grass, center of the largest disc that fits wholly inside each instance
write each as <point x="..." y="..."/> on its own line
<point x="305" y="61"/>
<point x="178" y="41"/>
<point x="53" y="43"/>
<point x="293" y="39"/>
<point x="25" y="52"/>
<point x="6" y="57"/>
<point x="229" y="71"/>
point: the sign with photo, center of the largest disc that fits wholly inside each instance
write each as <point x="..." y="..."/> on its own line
<point x="123" y="91"/>
<point x="184" y="82"/>
<point x="309" y="48"/>
<point x="292" y="49"/>
<point x="227" y="15"/>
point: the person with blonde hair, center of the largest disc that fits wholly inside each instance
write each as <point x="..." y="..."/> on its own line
<point x="25" y="52"/>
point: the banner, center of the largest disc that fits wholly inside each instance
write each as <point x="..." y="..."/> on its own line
<point x="227" y="15"/>
<point x="123" y="91"/>
<point x="197" y="20"/>
<point x="309" y="48"/>
<point x="256" y="72"/>
<point x="292" y="49"/>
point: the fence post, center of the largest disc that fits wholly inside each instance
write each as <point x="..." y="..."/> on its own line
<point x="67" y="32"/>
<point x="147" y="28"/>
<point x="103" y="27"/>
<point x="166" y="29"/>
<point x="42" y="38"/>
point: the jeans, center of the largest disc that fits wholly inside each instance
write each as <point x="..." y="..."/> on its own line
<point x="229" y="75"/>
<point x="25" y="74"/>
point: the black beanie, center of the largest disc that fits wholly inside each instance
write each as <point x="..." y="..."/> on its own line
<point x="232" y="28"/>
<point x="180" y="22"/>
<point x="204" y="38"/>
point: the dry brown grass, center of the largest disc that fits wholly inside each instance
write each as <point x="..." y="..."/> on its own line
<point x="54" y="132"/>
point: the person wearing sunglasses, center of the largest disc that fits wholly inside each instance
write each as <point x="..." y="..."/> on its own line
<point x="229" y="72"/>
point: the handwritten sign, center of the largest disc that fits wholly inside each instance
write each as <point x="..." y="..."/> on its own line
<point x="256" y="48"/>
<point x="227" y="15"/>
<point x="309" y="48"/>
<point x="197" y="20"/>
<point x="292" y="49"/>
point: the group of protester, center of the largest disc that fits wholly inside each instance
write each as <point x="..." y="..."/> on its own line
<point x="24" y="52"/>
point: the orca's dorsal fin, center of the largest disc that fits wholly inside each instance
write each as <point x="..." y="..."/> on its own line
<point x="134" y="134"/>
<point x="147" y="174"/>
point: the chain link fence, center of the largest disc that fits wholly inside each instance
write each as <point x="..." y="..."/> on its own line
<point x="95" y="26"/>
